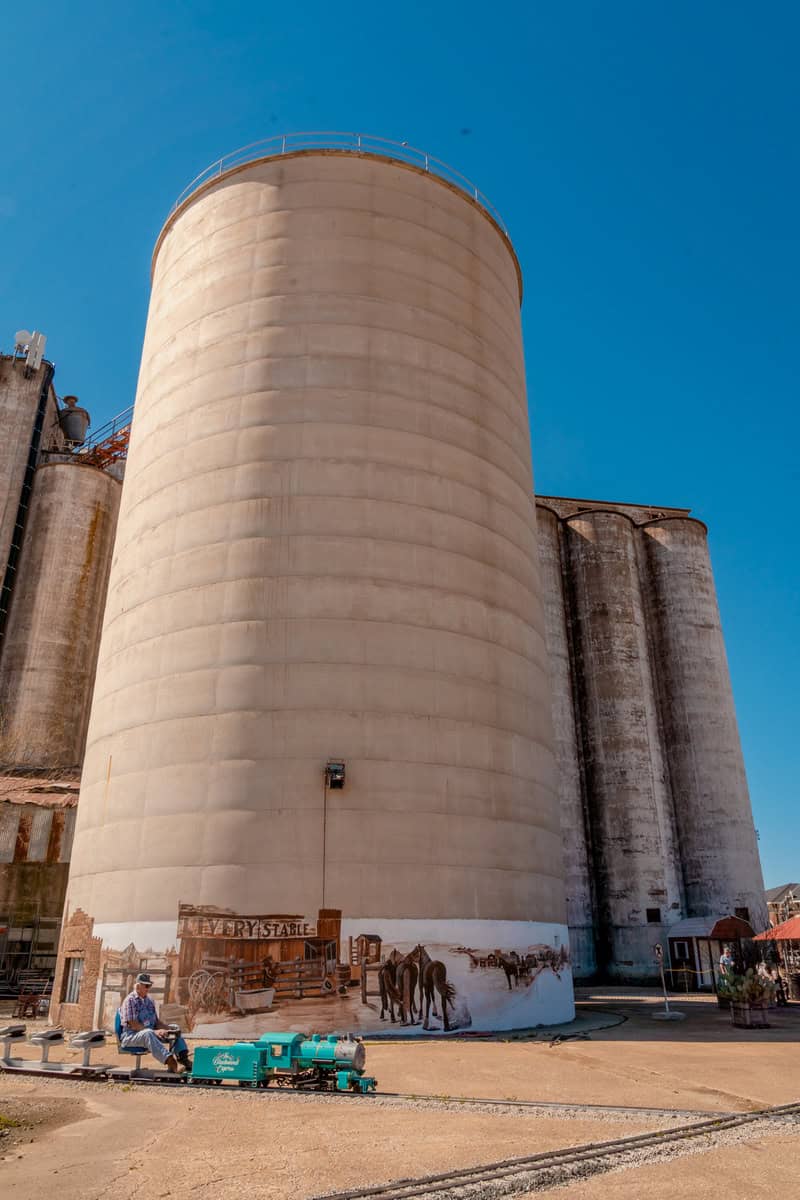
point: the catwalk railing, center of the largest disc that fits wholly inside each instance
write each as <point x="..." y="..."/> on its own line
<point x="352" y="143"/>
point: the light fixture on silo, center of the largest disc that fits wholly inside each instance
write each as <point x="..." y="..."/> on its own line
<point x="334" y="774"/>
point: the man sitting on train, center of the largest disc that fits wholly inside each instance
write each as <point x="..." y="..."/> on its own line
<point x="141" y="1026"/>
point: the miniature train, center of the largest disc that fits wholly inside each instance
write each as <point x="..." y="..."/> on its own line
<point x="322" y="1062"/>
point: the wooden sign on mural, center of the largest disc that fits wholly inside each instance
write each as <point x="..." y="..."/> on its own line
<point x="206" y="923"/>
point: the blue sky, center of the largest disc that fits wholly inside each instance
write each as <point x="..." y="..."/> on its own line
<point x="645" y="159"/>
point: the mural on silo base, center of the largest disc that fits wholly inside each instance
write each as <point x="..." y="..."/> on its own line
<point x="221" y="974"/>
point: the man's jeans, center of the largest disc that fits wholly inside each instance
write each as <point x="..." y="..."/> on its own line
<point x="152" y="1042"/>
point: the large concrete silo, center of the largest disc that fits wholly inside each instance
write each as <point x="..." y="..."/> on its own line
<point x="53" y="631"/>
<point x="721" y="867"/>
<point x="636" y="858"/>
<point x="28" y="421"/>
<point x="575" y="829"/>
<point x="326" y="551"/>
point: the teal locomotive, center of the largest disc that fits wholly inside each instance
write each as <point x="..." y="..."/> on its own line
<point x="323" y="1062"/>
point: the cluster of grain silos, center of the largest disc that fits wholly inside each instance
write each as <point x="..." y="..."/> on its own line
<point x="57" y="521"/>
<point x="355" y="704"/>
<point x="655" y="808"/>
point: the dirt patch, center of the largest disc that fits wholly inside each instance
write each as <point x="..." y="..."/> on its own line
<point x="26" y="1119"/>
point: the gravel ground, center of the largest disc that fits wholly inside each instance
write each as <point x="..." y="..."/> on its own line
<point x="228" y="1144"/>
<point x="94" y="1141"/>
<point x="26" y="1120"/>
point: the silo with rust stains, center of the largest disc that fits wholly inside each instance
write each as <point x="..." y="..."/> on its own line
<point x="636" y="863"/>
<point x="28" y="423"/>
<point x="53" y="630"/>
<point x="721" y="866"/>
<point x="326" y="552"/>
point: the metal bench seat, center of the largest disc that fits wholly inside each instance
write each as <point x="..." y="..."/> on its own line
<point x="45" y="1039"/>
<point x="8" y="1035"/>
<point x="88" y="1041"/>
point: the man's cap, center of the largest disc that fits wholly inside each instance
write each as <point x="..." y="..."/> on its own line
<point x="143" y="977"/>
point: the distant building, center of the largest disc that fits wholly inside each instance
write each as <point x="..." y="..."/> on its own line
<point x="37" y="822"/>
<point x="783" y="902"/>
<point x="58" y="513"/>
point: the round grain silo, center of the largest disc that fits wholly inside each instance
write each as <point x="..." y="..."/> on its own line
<point x="722" y="871"/>
<point x="327" y="554"/>
<point x="636" y="862"/>
<point x="574" y="817"/>
<point x="53" y="632"/>
<point x="21" y="403"/>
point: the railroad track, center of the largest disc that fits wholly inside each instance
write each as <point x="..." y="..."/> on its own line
<point x="181" y="1083"/>
<point x="601" y="1110"/>
<point x="554" y="1166"/>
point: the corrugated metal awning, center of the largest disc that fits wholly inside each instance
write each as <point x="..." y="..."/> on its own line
<point x="692" y="927"/>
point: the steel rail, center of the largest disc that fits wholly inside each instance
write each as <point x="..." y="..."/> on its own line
<point x="600" y="1110"/>
<point x="487" y="1173"/>
<point x="346" y="142"/>
<point x="551" y="1105"/>
<point x="117" y="423"/>
<point x="101" y="1075"/>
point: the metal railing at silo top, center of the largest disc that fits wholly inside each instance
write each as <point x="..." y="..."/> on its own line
<point x="353" y="143"/>
<point x="110" y="441"/>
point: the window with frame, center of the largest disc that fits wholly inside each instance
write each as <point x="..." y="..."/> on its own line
<point x="654" y="916"/>
<point x="71" y="986"/>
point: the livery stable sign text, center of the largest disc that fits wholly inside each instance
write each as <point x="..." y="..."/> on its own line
<point x="256" y="928"/>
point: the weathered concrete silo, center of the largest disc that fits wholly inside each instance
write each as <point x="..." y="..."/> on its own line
<point x="721" y="867"/>
<point x="326" y="550"/>
<point x="636" y="859"/>
<point x="575" y="829"/>
<point x="53" y="631"/>
<point x="29" y="421"/>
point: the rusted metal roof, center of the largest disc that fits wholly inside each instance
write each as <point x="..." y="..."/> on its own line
<point x="728" y="929"/>
<point x="718" y="929"/>
<point x="692" y="927"/>
<point x="789" y="931"/>
<point x="59" y="790"/>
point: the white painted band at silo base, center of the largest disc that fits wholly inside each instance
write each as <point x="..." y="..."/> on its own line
<point x="486" y="975"/>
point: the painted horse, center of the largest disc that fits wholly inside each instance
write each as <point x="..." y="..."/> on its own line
<point x="397" y="982"/>
<point x="432" y="979"/>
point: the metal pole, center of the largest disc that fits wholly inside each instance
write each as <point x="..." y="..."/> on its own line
<point x="663" y="982"/>
<point x="667" y="1014"/>
<point x="324" y="834"/>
